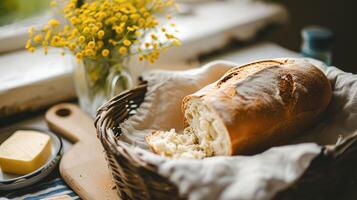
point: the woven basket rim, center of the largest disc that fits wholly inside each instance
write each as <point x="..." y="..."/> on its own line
<point x="118" y="147"/>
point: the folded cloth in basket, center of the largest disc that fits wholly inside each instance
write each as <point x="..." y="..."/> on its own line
<point x="239" y="177"/>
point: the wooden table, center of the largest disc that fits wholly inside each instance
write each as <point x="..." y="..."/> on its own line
<point x="247" y="54"/>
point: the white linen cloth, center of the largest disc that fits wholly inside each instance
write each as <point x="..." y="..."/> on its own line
<point x="238" y="177"/>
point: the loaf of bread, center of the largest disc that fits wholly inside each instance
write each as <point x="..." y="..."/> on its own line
<point x="248" y="110"/>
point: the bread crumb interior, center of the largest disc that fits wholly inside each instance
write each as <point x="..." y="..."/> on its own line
<point x="204" y="137"/>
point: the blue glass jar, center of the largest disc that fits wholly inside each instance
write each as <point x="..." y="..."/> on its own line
<point x="317" y="43"/>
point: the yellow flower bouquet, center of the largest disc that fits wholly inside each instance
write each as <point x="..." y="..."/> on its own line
<point x="103" y="35"/>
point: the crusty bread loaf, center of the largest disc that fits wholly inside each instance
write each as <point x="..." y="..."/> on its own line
<point x="248" y="110"/>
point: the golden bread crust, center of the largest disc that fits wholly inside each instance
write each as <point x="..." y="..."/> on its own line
<point x="267" y="103"/>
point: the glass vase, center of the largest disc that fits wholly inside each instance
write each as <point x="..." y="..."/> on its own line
<point x="98" y="80"/>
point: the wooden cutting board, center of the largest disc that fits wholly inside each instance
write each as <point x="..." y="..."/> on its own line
<point x="83" y="167"/>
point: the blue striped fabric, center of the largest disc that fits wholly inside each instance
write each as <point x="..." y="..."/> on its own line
<point x="55" y="187"/>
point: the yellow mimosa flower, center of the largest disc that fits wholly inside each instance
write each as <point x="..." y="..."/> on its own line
<point x="31" y="31"/>
<point x="81" y="39"/>
<point x="53" y="23"/>
<point x="37" y="38"/>
<point x="138" y="33"/>
<point x="105" y="52"/>
<point x="123" y="50"/>
<point x="127" y="43"/>
<point x="89" y="52"/>
<point x="53" y="4"/>
<point x="91" y="45"/>
<point x="98" y="28"/>
<point x="101" y="34"/>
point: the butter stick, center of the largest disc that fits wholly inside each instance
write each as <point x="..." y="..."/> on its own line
<point x="24" y="152"/>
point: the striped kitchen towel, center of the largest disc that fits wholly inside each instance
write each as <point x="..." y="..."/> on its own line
<point x="55" y="187"/>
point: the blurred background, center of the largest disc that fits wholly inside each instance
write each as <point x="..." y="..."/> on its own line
<point x="234" y="30"/>
<point x="15" y="10"/>
<point x="339" y="16"/>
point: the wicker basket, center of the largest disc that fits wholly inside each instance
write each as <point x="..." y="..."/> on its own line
<point x="328" y="175"/>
